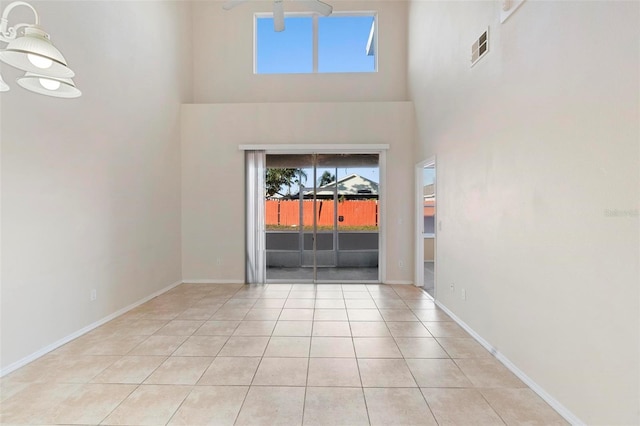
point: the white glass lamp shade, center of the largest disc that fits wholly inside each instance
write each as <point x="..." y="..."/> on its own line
<point x="33" y="52"/>
<point x="4" y="87"/>
<point x="49" y="86"/>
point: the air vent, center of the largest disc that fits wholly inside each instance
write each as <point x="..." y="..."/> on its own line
<point x="480" y="47"/>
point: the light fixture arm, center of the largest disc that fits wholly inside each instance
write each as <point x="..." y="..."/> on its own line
<point x="10" y="33"/>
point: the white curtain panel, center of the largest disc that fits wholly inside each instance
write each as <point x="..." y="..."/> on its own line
<point x="255" y="217"/>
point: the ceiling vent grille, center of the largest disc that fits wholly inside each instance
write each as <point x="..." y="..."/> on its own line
<point x="480" y="47"/>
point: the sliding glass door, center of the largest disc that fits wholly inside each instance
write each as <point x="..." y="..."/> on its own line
<point x="322" y="217"/>
<point x="288" y="219"/>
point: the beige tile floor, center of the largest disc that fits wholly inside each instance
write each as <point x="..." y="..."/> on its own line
<point x="274" y="354"/>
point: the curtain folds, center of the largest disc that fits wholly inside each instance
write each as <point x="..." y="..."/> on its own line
<point x="255" y="217"/>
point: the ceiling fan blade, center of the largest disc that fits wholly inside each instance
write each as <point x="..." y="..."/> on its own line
<point x="317" y="6"/>
<point x="230" y="4"/>
<point x="278" y="16"/>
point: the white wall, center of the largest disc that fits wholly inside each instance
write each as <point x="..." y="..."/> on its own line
<point x="213" y="212"/>
<point x="223" y="60"/>
<point x="534" y="145"/>
<point x="244" y="108"/>
<point x="91" y="186"/>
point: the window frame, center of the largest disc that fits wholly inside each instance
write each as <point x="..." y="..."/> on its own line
<point x="314" y="34"/>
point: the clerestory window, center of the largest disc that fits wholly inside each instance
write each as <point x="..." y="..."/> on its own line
<point x="340" y="43"/>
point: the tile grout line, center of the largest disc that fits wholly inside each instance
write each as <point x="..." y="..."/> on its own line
<point x="490" y="406"/>
<point x="253" y="301"/>
<point x="119" y="404"/>
<point x="304" y="398"/>
<point x="306" y="385"/>
<point x="414" y="377"/>
<point x="193" y="387"/>
<point x="257" y="368"/>
<point x="364" y="396"/>
<point x="149" y="375"/>
<point x="235" y="420"/>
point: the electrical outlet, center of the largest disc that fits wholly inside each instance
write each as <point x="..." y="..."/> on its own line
<point x="463" y="294"/>
<point x="219" y="261"/>
<point x="401" y="264"/>
<point x="453" y="287"/>
<point x="93" y="295"/>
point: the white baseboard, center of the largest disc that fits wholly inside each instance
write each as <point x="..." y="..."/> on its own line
<point x="399" y="282"/>
<point x="212" y="281"/>
<point x="55" y="345"/>
<point x="554" y="403"/>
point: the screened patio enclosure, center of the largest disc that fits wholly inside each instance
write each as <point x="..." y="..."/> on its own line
<point x="321" y="217"/>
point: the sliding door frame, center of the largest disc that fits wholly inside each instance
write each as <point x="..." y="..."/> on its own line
<point x="419" y="225"/>
<point x="380" y="149"/>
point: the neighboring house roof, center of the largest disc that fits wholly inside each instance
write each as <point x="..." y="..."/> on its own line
<point x="353" y="185"/>
<point x="428" y="191"/>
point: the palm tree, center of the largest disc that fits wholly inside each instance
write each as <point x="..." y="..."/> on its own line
<point x="326" y="178"/>
<point x="278" y="179"/>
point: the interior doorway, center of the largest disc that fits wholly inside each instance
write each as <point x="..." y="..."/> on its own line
<point x="322" y="217"/>
<point x="426" y="226"/>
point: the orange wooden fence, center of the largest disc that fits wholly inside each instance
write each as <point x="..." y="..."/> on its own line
<point x="429" y="208"/>
<point x="352" y="212"/>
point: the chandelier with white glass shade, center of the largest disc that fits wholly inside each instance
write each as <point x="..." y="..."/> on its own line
<point x="29" y="49"/>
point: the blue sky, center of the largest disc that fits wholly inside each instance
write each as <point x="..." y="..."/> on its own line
<point x="342" y="42"/>
<point x="429" y="175"/>
<point x="372" y="173"/>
